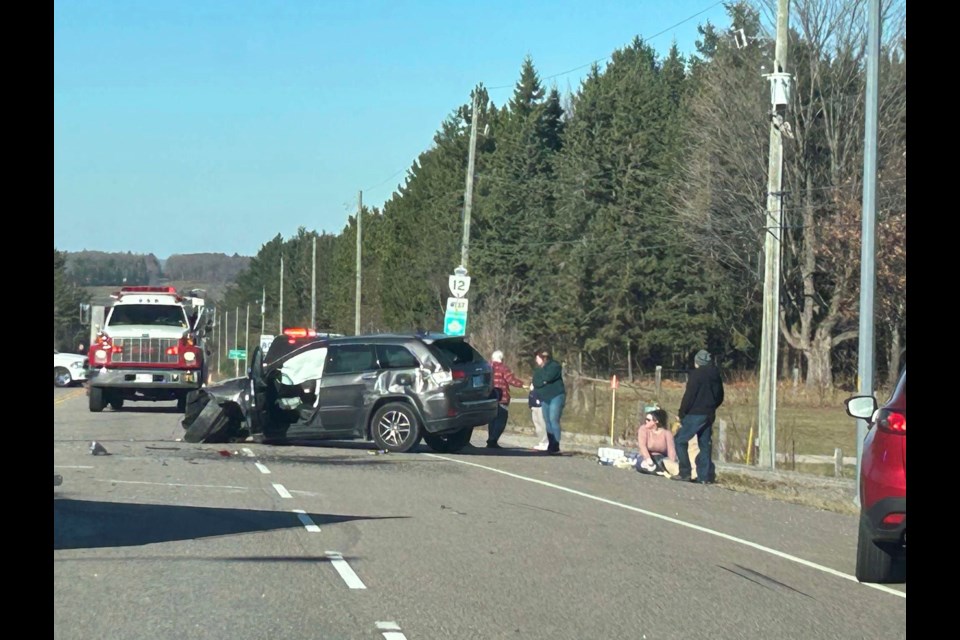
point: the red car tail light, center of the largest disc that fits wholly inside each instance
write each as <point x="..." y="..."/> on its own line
<point x="459" y="375"/>
<point x="893" y="519"/>
<point x="892" y="422"/>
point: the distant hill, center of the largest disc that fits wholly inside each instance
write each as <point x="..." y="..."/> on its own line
<point x="101" y="273"/>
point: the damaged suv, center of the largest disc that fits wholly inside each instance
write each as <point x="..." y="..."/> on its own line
<point x="393" y="389"/>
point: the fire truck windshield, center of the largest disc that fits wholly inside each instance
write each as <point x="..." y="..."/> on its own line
<point x="163" y="315"/>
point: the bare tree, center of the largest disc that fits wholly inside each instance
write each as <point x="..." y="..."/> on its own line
<point x="723" y="202"/>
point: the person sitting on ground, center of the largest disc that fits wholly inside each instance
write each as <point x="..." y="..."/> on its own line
<point x="657" y="454"/>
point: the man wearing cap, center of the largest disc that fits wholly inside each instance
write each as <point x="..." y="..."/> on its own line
<point x="698" y="409"/>
<point x="503" y="379"/>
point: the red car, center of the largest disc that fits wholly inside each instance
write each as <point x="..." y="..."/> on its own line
<point x="882" y="542"/>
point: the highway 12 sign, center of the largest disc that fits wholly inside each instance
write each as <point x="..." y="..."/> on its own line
<point x="455" y="320"/>
<point x="459" y="285"/>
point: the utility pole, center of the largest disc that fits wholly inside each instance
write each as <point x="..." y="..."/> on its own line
<point x="280" y="327"/>
<point x="246" y="342"/>
<point x="219" y="331"/>
<point x="263" y="311"/>
<point x="779" y="97"/>
<point x="356" y="313"/>
<point x="868" y="276"/>
<point x="236" y="342"/>
<point x="468" y="192"/>
<point x="313" y="288"/>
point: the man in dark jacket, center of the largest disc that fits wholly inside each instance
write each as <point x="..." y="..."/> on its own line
<point x="698" y="409"/>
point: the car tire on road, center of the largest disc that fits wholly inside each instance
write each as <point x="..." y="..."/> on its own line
<point x="395" y="428"/>
<point x="116" y="403"/>
<point x="212" y="424"/>
<point x="875" y="563"/>
<point x="62" y="377"/>
<point x="449" y="442"/>
<point x="194" y="402"/>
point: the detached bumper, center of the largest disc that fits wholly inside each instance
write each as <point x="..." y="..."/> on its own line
<point x="154" y="379"/>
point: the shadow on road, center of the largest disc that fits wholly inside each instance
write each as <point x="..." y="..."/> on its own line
<point x="83" y="524"/>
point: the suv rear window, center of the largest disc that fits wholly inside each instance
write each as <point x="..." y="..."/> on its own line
<point x="455" y="352"/>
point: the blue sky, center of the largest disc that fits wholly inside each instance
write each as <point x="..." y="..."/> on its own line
<point x="212" y="126"/>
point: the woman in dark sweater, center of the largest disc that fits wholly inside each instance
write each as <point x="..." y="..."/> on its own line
<point x="548" y="383"/>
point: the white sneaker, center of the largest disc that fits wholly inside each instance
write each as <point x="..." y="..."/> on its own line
<point x="540" y="447"/>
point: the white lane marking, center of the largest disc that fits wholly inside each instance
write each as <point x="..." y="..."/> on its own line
<point x="391" y="630"/>
<point x="282" y="490"/>
<point x="307" y="522"/>
<point x="72" y="466"/>
<point x="174" y="484"/>
<point x="695" y="527"/>
<point x="263" y="468"/>
<point x="351" y="578"/>
<point x="247" y="452"/>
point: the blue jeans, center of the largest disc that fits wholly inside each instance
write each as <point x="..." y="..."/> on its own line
<point x="495" y="428"/>
<point x="700" y="426"/>
<point x="552" y="410"/>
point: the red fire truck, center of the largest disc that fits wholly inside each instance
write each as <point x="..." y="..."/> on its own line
<point x="151" y="347"/>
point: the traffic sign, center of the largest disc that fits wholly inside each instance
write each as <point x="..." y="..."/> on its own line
<point x="459" y="285"/>
<point x="455" y="320"/>
<point x="265" y="342"/>
<point x="237" y="354"/>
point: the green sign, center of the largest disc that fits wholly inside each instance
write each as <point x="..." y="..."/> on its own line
<point x="455" y="320"/>
<point x="237" y="354"/>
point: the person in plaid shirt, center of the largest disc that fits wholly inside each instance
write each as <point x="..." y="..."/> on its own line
<point x="503" y="379"/>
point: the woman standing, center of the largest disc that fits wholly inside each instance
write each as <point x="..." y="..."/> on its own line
<point x="548" y="383"/>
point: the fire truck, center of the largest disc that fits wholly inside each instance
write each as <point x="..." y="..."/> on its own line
<point x="151" y="346"/>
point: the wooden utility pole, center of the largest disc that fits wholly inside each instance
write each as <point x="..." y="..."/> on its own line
<point x="779" y="97"/>
<point x="356" y="313"/>
<point x="236" y="342"/>
<point x="280" y="323"/>
<point x="313" y="288"/>
<point x="468" y="192"/>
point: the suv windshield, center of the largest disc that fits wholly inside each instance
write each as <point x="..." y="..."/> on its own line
<point x="455" y="352"/>
<point x="164" y="315"/>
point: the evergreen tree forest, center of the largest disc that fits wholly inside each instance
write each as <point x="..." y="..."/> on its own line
<point x="621" y="224"/>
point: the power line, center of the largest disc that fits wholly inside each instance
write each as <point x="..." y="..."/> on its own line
<point x="660" y="33"/>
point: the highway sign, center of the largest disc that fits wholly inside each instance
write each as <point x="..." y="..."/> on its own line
<point x="455" y="320"/>
<point x="459" y="285"/>
<point x="237" y="354"/>
<point x="265" y="342"/>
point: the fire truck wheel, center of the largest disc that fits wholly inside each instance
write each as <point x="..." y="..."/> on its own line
<point x="96" y="399"/>
<point x="181" y="403"/>
<point x="116" y="403"/>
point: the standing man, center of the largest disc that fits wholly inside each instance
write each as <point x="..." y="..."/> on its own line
<point x="503" y="379"/>
<point x="698" y="409"/>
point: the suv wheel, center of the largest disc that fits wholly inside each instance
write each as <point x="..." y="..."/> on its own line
<point x="874" y="562"/>
<point x="449" y="442"/>
<point x="395" y="428"/>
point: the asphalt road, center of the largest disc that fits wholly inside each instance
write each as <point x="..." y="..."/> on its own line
<point x="166" y="539"/>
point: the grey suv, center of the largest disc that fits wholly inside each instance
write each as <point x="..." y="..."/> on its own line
<point x="393" y="389"/>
